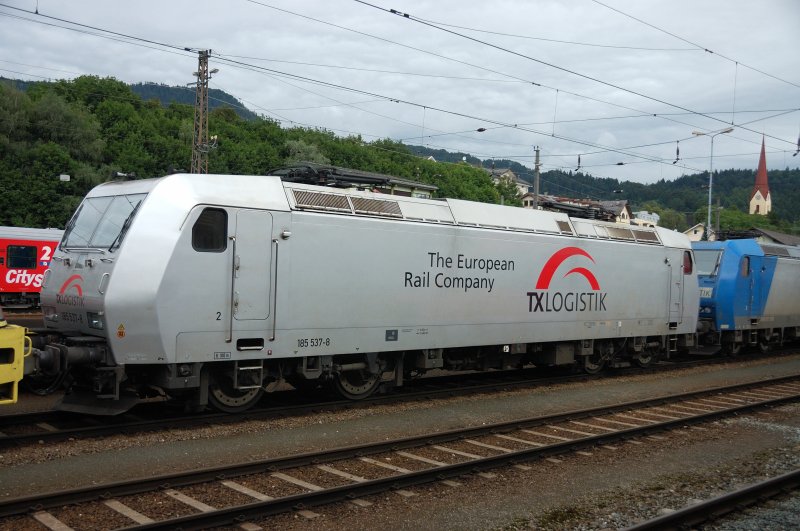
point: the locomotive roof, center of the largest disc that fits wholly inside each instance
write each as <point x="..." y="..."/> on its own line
<point x="752" y="247"/>
<point x="306" y="197"/>
<point x="270" y="192"/>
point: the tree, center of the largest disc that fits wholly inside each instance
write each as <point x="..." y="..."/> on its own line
<point x="300" y="151"/>
<point x="509" y="192"/>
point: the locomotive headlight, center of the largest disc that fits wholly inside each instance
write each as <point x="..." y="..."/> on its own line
<point x="49" y="313"/>
<point x="96" y="320"/>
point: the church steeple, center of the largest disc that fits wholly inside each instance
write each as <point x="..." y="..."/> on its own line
<point x="760" y="200"/>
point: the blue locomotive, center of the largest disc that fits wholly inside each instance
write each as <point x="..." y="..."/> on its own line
<point x="749" y="294"/>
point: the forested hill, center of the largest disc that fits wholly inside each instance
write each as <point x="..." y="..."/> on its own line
<point x="685" y="198"/>
<point x="92" y="127"/>
<point x="167" y="95"/>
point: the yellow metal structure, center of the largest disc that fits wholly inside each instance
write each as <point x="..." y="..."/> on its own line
<point x="13" y="346"/>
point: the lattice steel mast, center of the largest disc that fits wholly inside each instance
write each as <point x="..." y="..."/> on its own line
<point x="200" y="144"/>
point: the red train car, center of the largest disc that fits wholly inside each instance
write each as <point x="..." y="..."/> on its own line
<point x="25" y="255"/>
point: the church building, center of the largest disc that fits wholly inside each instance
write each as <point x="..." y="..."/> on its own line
<point x="760" y="200"/>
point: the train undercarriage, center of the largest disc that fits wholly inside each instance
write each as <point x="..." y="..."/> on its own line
<point x="733" y="342"/>
<point x="94" y="384"/>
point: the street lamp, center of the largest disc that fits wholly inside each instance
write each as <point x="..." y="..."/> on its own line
<point x="711" y="170"/>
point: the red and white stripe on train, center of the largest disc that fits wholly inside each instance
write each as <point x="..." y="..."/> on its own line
<point x="25" y="255"/>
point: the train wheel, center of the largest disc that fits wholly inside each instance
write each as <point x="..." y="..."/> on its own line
<point x="223" y="396"/>
<point x="645" y="358"/>
<point x="763" y="346"/>
<point x="356" y="385"/>
<point x="731" y="349"/>
<point x="593" y="364"/>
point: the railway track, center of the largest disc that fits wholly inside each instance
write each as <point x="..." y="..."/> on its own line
<point x="715" y="508"/>
<point x="50" y="426"/>
<point x="250" y="492"/>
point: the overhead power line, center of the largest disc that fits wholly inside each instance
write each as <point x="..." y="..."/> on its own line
<point x="466" y="63"/>
<point x="87" y="26"/>
<point x="412" y="18"/>
<point x="374" y="70"/>
<point x="244" y="65"/>
<point x="699" y="46"/>
<point x="575" y="43"/>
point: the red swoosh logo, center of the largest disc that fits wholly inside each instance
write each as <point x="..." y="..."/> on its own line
<point x="557" y="259"/>
<point x="69" y="284"/>
<point x="588" y="275"/>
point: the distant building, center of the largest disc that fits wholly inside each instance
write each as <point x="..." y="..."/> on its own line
<point x="761" y="236"/>
<point x="645" y="218"/>
<point x="771" y="236"/>
<point x="695" y="233"/>
<point x="506" y="174"/>
<point x="622" y="212"/>
<point x="760" y="199"/>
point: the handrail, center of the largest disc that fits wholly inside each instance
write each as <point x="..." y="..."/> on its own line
<point x="233" y="287"/>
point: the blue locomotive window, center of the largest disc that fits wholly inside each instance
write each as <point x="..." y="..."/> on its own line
<point x="707" y="261"/>
<point x="21" y="257"/>
<point x="745" y="266"/>
<point x="210" y="231"/>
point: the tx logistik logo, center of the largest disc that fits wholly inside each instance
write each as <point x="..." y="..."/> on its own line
<point x="545" y="300"/>
<point x="73" y="284"/>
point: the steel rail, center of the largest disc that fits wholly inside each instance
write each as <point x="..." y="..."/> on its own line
<point x="720" y="506"/>
<point x="86" y="494"/>
<point x="93" y="428"/>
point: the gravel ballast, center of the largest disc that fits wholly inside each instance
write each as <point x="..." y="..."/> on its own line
<point x="609" y="489"/>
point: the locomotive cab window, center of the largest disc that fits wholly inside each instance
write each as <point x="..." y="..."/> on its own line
<point x="745" y="269"/>
<point x="687" y="263"/>
<point x="101" y="222"/>
<point x="210" y="231"/>
<point x="707" y="261"/>
<point x="21" y="257"/>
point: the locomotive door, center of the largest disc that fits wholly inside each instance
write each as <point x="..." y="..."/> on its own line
<point x="675" y="292"/>
<point x="252" y="265"/>
<point x="750" y="285"/>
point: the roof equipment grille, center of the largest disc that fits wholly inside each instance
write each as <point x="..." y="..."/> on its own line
<point x="776" y="251"/>
<point x="322" y="201"/>
<point x="619" y="233"/>
<point x="564" y="227"/>
<point x="376" y="207"/>
<point x="645" y="236"/>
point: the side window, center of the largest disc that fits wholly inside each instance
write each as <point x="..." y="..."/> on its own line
<point x="210" y="231"/>
<point x="745" y="271"/>
<point x="688" y="266"/>
<point x="21" y="257"/>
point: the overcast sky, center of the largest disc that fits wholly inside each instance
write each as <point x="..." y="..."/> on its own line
<point x="575" y="77"/>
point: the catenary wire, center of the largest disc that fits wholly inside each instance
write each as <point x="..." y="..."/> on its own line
<point x="546" y="63"/>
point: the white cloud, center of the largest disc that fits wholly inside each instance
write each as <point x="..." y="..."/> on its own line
<point x="662" y="82"/>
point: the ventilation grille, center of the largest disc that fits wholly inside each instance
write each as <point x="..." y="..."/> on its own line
<point x="645" y="236"/>
<point x="376" y="207"/>
<point x="564" y="227"/>
<point x="317" y="200"/>
<point x="620" y="234"/>
<point x="775" y="251"/>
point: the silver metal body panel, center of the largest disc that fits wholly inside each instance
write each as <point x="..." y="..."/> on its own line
<point x="313" y="283"/>
<point x="783" y="302"/>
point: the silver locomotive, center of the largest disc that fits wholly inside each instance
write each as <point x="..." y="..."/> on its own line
<point x="217" y="288"/>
